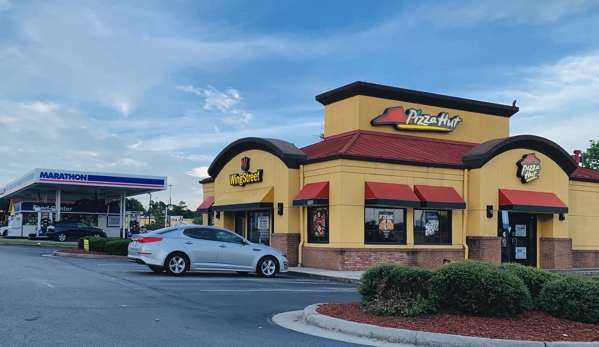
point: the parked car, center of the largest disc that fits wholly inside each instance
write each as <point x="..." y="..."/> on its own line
<point x="181" y="248"/>
<point x="3" y="231"/>
<point x="62" y="231"/>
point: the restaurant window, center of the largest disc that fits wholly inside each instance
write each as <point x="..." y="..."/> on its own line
<point x="432" y="227"/>
<point x="384" y="225"/>
<point x="258" y="227"/>
<point x="318" y="225"/>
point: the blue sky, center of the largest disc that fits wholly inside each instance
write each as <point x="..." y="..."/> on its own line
<point x="161" y="87"/>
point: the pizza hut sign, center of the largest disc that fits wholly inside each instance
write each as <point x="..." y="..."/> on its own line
<point x="416" y="120"/>
<point x="529" y="168"/>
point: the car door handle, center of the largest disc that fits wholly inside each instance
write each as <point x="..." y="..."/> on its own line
<point x="222" y="246"/>
<point x="189" y="243"/>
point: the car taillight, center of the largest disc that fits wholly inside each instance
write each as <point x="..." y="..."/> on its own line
<point x="149" y="239"/>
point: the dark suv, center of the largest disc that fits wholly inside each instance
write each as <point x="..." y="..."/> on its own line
<point x="62" y="231"/>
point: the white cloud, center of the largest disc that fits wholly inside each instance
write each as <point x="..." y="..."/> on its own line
<point x="201" y="172"/>
<point x="242" y="117"/>
<point x="132" y="162"/>
<point x="557" y="101"/>
<point x="4" y="5"/>
<point x="214" y="98"/>
<point x="42" y="107"/>
<point x="216" y="129"/>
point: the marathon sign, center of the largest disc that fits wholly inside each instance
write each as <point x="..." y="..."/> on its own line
<point x="62" y="176"/>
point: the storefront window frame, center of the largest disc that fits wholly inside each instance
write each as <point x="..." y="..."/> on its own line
<point x="311" y="211"/>
<point x="447" y="223"/>
<point x="376" y="228"/>
<point x="249" y="226"/>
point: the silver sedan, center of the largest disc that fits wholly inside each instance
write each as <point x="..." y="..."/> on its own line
<point x="182" y="248"/>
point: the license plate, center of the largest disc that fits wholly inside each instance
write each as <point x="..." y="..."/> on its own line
<point x="134" y="244"/>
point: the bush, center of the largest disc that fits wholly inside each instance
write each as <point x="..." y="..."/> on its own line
<point x="478" y="288"/>
<point x="533" y="278"/>
<point x="117" y="247"/>
<point x="571" y="297"/>
<point x="395" y="290"/>
<point x="97" y="244"/>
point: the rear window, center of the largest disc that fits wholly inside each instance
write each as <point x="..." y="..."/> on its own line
<point x="163" y="231"/>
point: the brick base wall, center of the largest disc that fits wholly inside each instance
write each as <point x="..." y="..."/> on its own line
<point x="556" y="253"/>
<point x="484" y="248"/>
<point x="583" y="259"/>
<point x="288" y="243"/>
<point x="360" y="259"/>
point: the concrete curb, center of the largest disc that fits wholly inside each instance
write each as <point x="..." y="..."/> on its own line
<point x="324" y="277"/>
<point x="89" y="256"/>
<point x="420" y="338"/>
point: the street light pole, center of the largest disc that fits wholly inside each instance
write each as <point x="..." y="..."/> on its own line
<point x="170" y="191"/>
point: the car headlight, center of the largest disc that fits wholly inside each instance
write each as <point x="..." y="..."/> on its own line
<point x="282" y="253"/>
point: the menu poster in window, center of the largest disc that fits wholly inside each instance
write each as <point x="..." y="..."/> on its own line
<point x="263" y="222"/>
<point x="432" y="224"/>
<point x="521" y="230"/>
<point x="520" y="252"/>
<point x="319" y="222"/>
<point x="386" y="223"/>
<point x="113" y="221"/>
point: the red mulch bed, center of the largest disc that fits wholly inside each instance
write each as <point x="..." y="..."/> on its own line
<point x="81" y="251"/>
<point x="531" y="325"/>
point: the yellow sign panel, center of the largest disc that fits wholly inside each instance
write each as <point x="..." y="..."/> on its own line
<point x="86" y="244"/>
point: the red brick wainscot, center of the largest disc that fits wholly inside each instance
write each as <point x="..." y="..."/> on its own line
<point x="582" y="259"/>
<point x="484" y="248"/>
<point x="287" y="243"/>
<point x="360" y="259"/>
<point x="556" y="253"/>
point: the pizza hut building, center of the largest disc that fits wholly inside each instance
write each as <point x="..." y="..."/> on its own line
<point x="410" y="178"/>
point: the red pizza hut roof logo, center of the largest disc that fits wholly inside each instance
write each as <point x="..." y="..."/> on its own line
<point x="529" y="168"/>
<point x="245" y="164"/>
<point x="414" y="119"/>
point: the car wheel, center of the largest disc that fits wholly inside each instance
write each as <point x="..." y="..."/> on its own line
<point x="177" y="264"/>
<point x="62" y="237"/>
<point x="5" y="233"/>
<point x="267" y="267"/>
<point x="156" y="268"/>
<point x="96" y="235"/>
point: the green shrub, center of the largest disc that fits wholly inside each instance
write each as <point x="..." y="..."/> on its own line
<point x="478" y="288"/>
<point x="395" y="290"/>
<point x="571" y="297"/>
<point x="533" y="278"/>
<point x="117" y="247"/>
<point x="97" y="244"/>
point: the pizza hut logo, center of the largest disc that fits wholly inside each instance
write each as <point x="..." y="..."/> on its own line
<point x="415" y="119"/>
<point x="529" y="168"/>
<point x="245" y="164"/>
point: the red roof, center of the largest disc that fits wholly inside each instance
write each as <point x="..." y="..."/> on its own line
<point x="584" y="173"/>
<point x="392" y="147"/>
<point x="312" y="193"/>
<point x="521" y="200"/>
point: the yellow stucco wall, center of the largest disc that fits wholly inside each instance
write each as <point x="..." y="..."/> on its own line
<point x="583" y="215"/>
<point x="346" y="197"/>
<point x="356" y="113"/>
<point x="276" y="174"/>
<point x="500" y="173"/>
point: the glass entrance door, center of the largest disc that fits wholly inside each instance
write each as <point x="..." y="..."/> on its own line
<point x="259" y="227"/>
<point x="240" y="223"/>
<point x="519" y="239"/>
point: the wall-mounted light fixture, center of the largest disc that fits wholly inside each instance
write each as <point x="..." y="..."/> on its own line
<point x="280" y="208"/>
<point x="489" y="211"/>
<point x="217" y="214"/>
<point x="562" y="216"/>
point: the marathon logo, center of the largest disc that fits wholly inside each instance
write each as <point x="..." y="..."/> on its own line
<point x="63" y="176"/>
<point x="245" y="178"/>
<point x="415" y="119"/>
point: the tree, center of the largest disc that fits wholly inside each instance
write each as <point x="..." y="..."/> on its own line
<point x="197" y="220"/>
<point x="135" y="205"/>
<point x="590" y="158"/>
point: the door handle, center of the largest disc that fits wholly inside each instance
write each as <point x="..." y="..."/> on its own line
<point x="222" y="246"/>
<point x="189" y="243"/>
<point x="514" y="241"/>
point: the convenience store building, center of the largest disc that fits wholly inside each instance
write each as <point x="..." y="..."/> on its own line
<point x="412" y="178"/>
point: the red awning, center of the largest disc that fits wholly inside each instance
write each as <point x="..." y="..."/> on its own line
<point x="390" y="194"/>
<point x="439" y="197"/>
<point x="313" y="194"/>
<point x="206" y="205"/>
<point x="522" y="200"/>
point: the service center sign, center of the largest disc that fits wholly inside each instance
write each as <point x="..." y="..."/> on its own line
<point x="415" y="119"/>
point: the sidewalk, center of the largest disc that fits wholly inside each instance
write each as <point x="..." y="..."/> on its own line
<point x="352" y="277"/>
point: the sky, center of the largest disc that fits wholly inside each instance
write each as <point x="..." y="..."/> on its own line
<point x="161" y="87"/>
